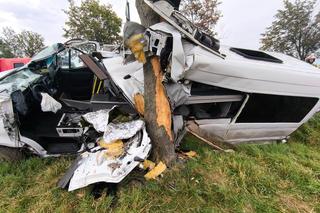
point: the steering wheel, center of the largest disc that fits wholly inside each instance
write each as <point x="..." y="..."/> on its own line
<point x="36" y="90"/>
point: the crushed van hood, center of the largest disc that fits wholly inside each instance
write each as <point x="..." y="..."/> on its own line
<point x="122" y="148"/>
<point x="95" y="168"/>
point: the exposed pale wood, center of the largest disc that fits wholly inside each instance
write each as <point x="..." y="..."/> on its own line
<point x="139" y="103"/>
<point x="163" y="108"/>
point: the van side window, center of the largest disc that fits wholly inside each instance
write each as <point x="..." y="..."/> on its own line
<point x="256" y="55"/>
<point x="276" y="109"/>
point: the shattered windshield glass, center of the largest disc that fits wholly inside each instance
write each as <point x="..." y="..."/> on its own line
<point x="47" y="52"/>
<point x="18" y="81"/>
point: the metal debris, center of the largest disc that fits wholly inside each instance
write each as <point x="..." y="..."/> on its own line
<point x="99" y="119"/>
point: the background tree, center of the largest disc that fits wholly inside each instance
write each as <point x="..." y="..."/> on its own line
<point x="92" y="21"/>
<point x="203" y="13"/>
<point x="30" y="43"/>
<point x="9" y="37"/>
<point x="296" y="31"/>
<point x="5" y="51"/>
<point x="24" y="44"/>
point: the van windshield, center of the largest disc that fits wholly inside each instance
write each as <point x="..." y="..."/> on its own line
<point x="18" y="81"/>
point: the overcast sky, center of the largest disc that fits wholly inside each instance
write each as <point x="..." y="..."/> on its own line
<point x="242" y="23"/>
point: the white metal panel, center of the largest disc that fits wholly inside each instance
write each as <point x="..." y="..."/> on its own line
<point x="118" y="71"/>
<point x="255" y="131"/>
<point x="217" y="128"/>
<point x="293" y="78"/>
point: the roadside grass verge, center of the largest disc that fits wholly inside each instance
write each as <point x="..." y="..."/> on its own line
<point x="265" y="178"/>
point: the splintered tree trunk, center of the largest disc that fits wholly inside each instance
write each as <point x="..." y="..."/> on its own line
<point x="157" y="110"/>
<point x="158" y="113"/>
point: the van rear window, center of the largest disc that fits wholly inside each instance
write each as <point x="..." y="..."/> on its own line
<point x="256" y="55"/>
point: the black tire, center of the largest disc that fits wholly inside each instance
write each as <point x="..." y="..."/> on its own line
<point x="8" y="154"/>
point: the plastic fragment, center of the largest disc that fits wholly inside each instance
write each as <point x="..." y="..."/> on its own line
<point x="156" y="171"/>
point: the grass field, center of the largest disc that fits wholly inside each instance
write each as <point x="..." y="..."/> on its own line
<point x="268" y="178"/>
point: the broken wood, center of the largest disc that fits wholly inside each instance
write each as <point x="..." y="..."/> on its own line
<point x="139" y="103"/>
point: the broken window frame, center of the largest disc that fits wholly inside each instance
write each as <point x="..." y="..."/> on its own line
<point x="200" y="95"/>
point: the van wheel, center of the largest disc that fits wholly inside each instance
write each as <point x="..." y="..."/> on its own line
<point x="8" y="154"/>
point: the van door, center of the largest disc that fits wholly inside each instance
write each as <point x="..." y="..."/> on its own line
<point x="269" y="117"/>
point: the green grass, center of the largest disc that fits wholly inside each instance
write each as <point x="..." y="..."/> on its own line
<point x="268" y="178"/>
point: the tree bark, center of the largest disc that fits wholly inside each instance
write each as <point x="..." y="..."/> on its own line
<point x="157" y="110"/>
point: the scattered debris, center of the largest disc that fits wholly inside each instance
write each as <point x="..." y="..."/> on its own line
<point x="190" y="154"/>
<point x="113" y="150"/>
<point x="100" y="165"/>
<point x="115" y="154"/>
<point x="99" y="119"/>
<point x="119" y="131"/>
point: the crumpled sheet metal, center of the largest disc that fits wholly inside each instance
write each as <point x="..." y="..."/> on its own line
<point x="49" y="104"/>
<point x="122" y="130"/>
<point x="99" y="119"/>
<point x="178" y="54"/>
<point x="178" y="93"/>
<point x="95" y="167"/>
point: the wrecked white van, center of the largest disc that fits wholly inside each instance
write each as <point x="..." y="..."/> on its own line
<point x="231" y="94"/>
